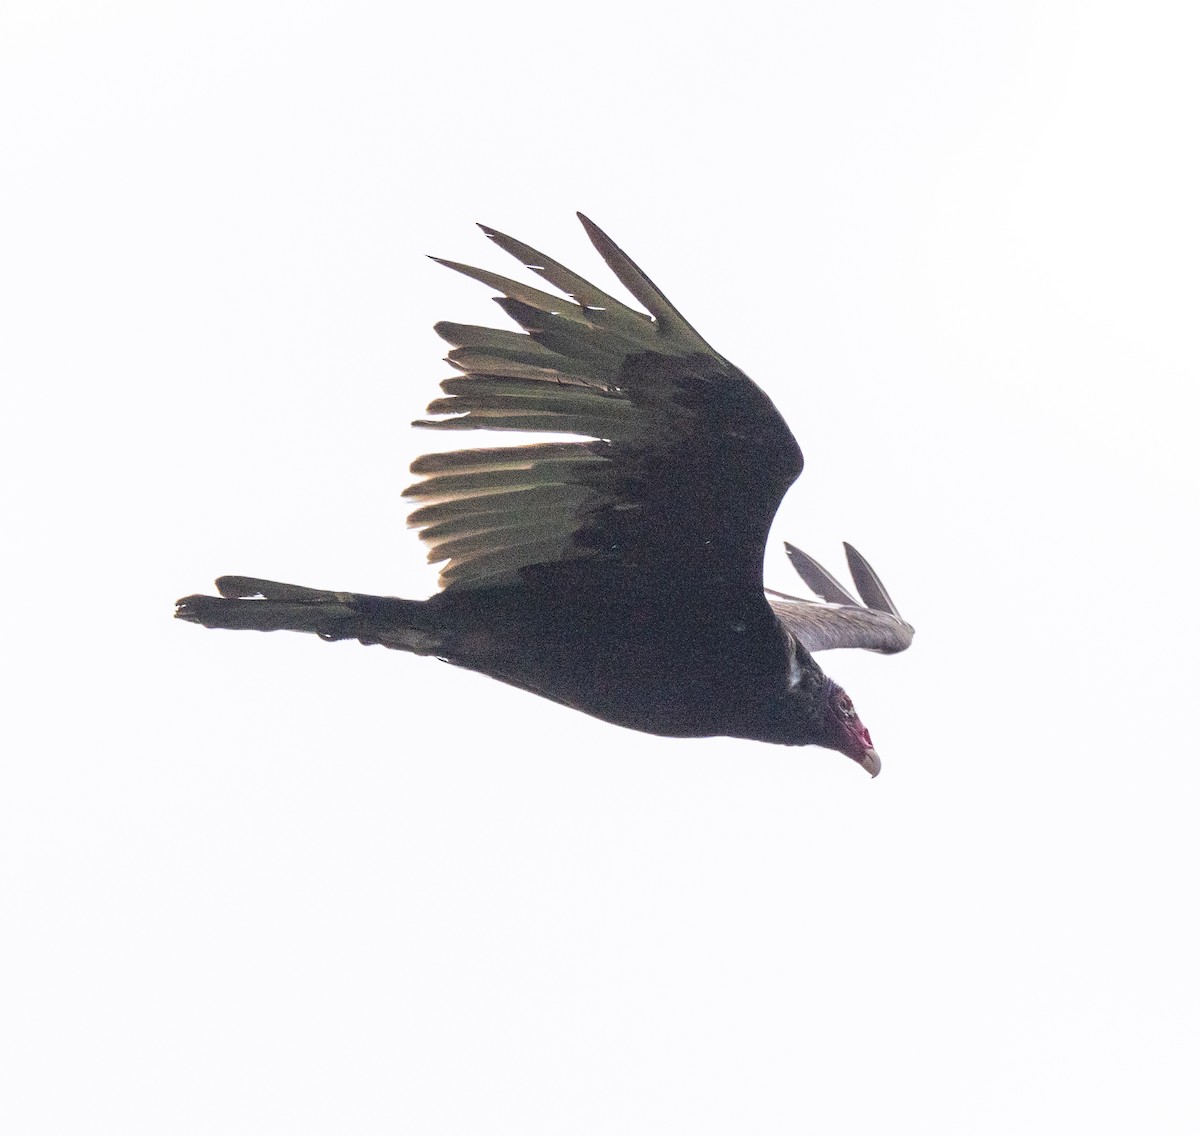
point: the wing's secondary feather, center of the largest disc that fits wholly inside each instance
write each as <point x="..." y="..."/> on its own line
<point x="826" y="627"/>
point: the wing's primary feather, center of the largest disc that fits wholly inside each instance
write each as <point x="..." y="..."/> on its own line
<point x="686" y="463"/>
<point x="869" y="585"/>
<point x="817" y="578"/>
<point x="643" y="289"/>
<point x="841" y="621"/>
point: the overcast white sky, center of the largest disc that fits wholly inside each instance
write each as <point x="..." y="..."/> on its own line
<point x="258" y="884"/>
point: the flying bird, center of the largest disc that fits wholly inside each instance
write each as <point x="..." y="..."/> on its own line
<point x="619" y="574"/>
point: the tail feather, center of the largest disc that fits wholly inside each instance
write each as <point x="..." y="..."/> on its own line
<point x="250" y="604"/>
<point x="251" y="587"/>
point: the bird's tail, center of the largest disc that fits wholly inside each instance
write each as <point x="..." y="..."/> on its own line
<point x="249" y="604"/>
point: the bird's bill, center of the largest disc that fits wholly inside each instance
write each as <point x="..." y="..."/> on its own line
<point x="869" y="760"/>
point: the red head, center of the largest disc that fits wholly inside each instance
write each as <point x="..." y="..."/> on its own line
<point x="846" y="732"/>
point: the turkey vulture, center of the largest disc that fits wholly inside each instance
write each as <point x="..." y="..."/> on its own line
<point x="621" y="574"/>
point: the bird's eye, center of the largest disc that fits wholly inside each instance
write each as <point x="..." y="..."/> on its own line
<point x="846" y="708"/>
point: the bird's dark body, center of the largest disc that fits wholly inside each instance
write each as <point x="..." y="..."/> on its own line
<point x="622" y="575"/>
<point x="686" y="668"/>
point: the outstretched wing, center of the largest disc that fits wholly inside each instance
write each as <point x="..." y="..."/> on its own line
<point x="842" y="620"/>
<point x="688" y="459"/>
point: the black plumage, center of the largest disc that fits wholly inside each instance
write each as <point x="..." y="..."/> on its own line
<point x="621" y="576"/>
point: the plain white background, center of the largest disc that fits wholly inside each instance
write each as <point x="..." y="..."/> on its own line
<point x="260" y="884"/>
